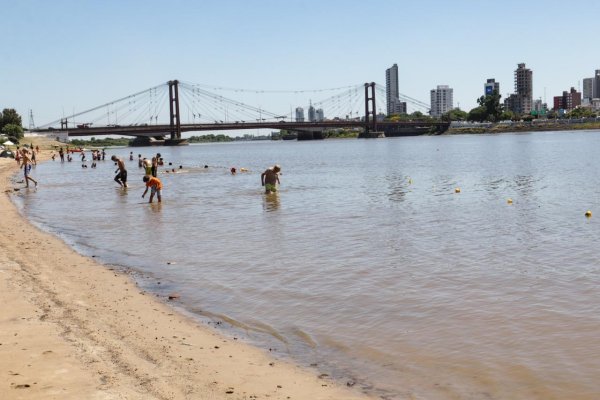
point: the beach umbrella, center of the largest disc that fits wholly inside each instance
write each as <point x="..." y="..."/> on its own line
<point x="8" y="143"/>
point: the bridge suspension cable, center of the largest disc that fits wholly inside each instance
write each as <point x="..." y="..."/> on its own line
<point x="381" y="99"/>
<point x="121" y="109"/>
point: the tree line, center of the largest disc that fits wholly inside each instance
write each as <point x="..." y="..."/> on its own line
<point x="490" y="109"/>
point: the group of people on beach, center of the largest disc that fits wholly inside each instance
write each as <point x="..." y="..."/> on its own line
<point x="27" y="157"/>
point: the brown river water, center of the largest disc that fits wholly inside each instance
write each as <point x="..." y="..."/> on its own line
<point x="367" y="265"/>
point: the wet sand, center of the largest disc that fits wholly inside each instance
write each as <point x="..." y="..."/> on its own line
<point x="71" y="328"/>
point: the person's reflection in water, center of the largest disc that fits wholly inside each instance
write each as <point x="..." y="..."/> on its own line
<point x="271" y="202"/>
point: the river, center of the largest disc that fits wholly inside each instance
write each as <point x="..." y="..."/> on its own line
<point x="368" y="265"/>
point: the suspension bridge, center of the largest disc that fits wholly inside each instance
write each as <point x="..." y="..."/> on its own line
<point x="162" y="113"/>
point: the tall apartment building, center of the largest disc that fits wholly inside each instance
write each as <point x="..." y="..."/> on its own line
<point x="520" y="102"/>
<point x="441" y="100"/>
<point x="568" y="101"/>
<point x="320" y="115"/>
<point x="312" y="114"/>
<point x="588" y="89"/>
<point x="299" y="114"/>
<point x="591" y="88"/>
<point x="490" y="86"/>
<point x="392" y="93"/>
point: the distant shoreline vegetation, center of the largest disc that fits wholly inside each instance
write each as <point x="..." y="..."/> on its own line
<point x="104" y="142"/>
<point x="210" y="138"/>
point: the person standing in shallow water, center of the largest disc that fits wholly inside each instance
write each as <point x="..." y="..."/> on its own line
<point x="270" y="179"/>
<point x="155" y="185"/>
<point x="121" y="177"/>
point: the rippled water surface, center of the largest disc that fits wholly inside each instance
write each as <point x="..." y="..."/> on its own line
<point x="367" y="263"/>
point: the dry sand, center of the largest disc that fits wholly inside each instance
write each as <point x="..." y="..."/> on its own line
<point x="71" y="328"/>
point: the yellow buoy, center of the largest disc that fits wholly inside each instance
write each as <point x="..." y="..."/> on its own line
<point x="588" y="213"/>
<point x="457" y="190"/>
<point x="509" y="201"/>
<point x="409" y="181"/>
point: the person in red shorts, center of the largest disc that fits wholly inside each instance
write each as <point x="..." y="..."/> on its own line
<point x="156" y="187"/>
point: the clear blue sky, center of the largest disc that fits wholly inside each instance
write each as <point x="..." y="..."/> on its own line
<point x="59" y="55"/>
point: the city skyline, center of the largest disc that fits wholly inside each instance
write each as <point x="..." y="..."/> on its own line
<point x="68" y="55"/>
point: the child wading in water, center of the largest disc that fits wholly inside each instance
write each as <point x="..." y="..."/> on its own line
<point x="156" y="187"/>
<point x="270" y="179"/>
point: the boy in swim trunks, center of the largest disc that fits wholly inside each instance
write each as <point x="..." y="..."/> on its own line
<point x="270" y="179"/>
<point x="26" y="165"/>
<point x="156" y="187"/>
<point x="121" y="177"/>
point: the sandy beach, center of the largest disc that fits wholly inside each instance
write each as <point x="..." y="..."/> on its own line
<point x="71" y="328"/>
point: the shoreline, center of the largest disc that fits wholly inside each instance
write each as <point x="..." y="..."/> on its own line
<point x="72" y="328"/>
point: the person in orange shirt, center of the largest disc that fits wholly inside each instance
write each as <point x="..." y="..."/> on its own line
<point x="156" y="187"/>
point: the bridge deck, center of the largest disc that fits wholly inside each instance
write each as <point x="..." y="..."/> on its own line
<point x="163" y="130"/>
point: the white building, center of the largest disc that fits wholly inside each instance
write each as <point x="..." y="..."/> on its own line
<point x="299" y="114"/>
<point x="320" y="115"/>
<point x="490" y="87"/>
<point x="442" y="100"/>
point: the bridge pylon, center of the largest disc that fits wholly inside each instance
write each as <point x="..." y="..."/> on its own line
<point x="175" y="122"/>
<point x="370" y="113"/>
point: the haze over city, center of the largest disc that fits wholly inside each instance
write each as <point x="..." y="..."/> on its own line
<point x="67" y="56"/>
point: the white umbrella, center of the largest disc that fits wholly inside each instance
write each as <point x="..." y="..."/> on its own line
<point x="8" y="143"/>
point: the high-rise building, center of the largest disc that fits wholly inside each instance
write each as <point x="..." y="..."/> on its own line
<point x="312" y="115"/>
<point x="490" y="86"/>
<point x="520" y="102"/>
<point x="596" y="88"/>
<point x="588" y="89"/>
<point x="392" y="92"/>
<point x="299" y="114"/>
<point x="442" y="100"/>
<point x="320" y="115"/>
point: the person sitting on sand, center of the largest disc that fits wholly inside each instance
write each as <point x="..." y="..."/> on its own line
<point x="270" y="179"/>
<point x="155" y="185"/>
<point x="121" y="177"/>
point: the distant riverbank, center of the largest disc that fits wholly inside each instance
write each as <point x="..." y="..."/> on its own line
<point x="530" y="126"/>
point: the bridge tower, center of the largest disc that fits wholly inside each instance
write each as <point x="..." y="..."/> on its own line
<point x="175" y="122"/>
<point x="370" y="112"/>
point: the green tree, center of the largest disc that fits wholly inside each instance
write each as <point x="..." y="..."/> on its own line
<point x="581" y="112"/>
<point x="10" y="116"/>
<point x="456" y="114"/>
<point x="478" y="114"/>
<point x="491" y="103"/>
<point x="507" y="115"/>
<point x="14" y="132"/>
